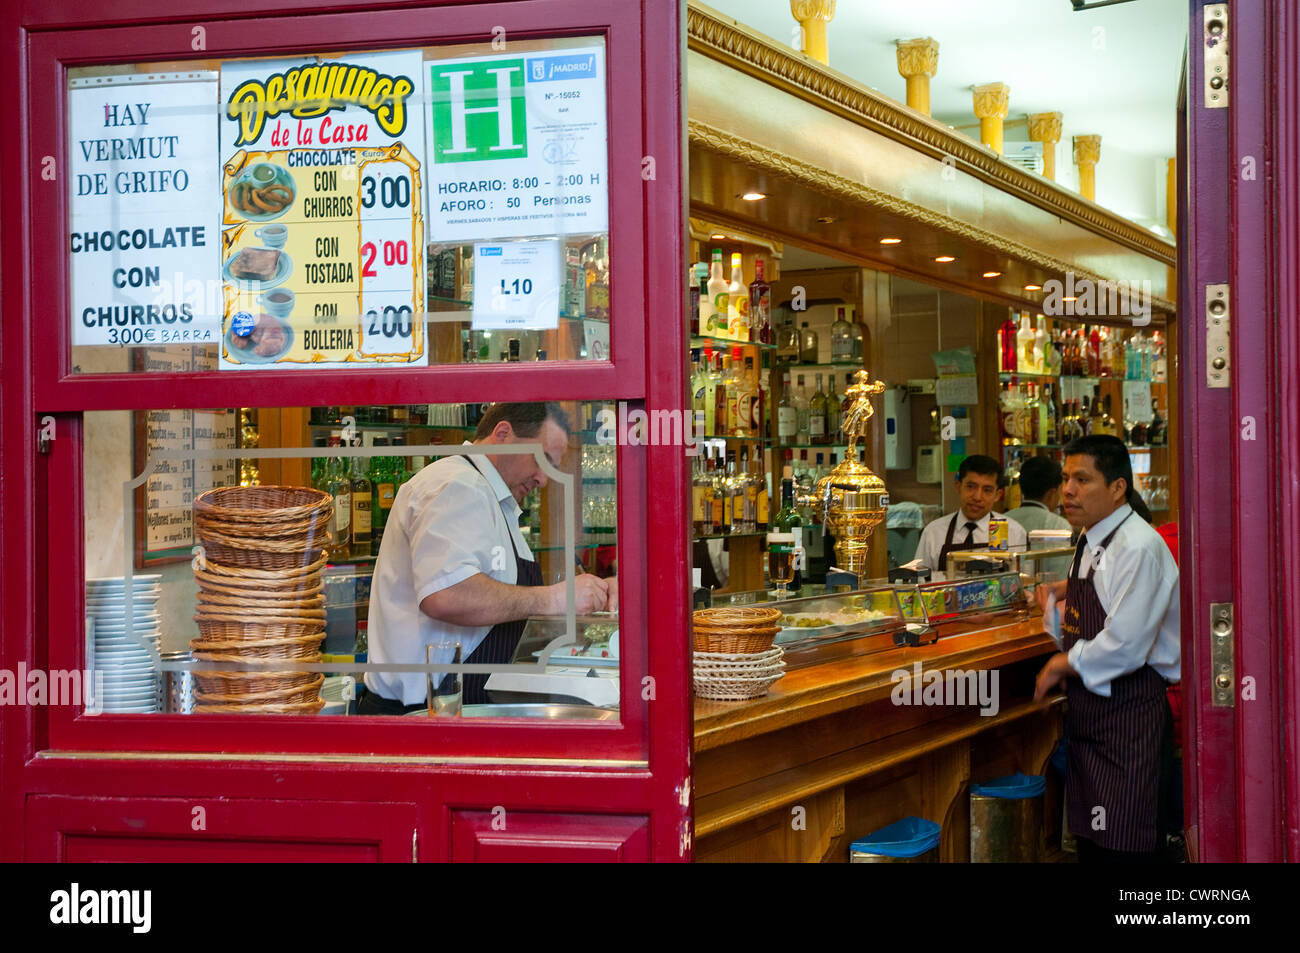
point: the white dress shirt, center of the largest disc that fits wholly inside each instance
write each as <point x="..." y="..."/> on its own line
<point x="934" y="535"/>
<point x="447" y="523"/>
<point x="1136" y="580"/>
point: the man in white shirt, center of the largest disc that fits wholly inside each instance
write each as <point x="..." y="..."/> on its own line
<point x="1040" y="491"/>
<point x="1120" y="649"/>
<point x="453" y="565"/>
<point x="979" y="482"/>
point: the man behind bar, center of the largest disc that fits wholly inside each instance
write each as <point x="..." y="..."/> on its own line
<point x="1120" y="649"/>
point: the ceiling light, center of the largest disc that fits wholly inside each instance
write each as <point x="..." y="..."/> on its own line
<point x="1033" y="287"/>
<point x="991" y="274"/>
<point x="717" y="236"/>
<point x="753" y="196"/>
<point x="1071" y="298"/>
<point x="944" y="259"/>
<point x="890" y="241"/>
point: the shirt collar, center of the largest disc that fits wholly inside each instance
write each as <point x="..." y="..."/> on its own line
<point x="1041" y="506"/>
<point x="490" y="473"/>
<point x="982" y="523"/>
<point x="1102" y="529"/>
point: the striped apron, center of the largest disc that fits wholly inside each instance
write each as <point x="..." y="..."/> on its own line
<point x="498" y="647"/>
<point x="1116" y="745"/>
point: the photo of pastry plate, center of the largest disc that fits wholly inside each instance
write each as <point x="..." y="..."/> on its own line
<point x="262" y="192"/>
<point x="284" y="266"/>
<point x="270" y="341"/>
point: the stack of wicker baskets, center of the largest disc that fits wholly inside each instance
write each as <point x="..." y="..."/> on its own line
<point x="734" y="655"/>
<point x="260" y="595"/>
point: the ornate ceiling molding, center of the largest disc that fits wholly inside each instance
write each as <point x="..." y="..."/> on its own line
<point x="845" y="189"/>
<point x="725" y="40"/>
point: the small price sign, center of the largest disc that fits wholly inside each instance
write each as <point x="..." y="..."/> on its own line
<point x="516" y="285"/>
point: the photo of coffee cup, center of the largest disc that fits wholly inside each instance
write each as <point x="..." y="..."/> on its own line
<point x="273" y="236"/>
<point x="264" y="172"/>
<point x="277" y="302"/>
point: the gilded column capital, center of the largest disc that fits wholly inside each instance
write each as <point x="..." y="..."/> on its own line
<point x="991" y="100"/>
<point x="1045" y="127"/>
<point x="813" y="9"/>
<point x="1087" y="150"/>
<point x="918" y="57"/>
<point x="813" y="15"/>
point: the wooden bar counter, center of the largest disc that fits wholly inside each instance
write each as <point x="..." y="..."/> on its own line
<point x="828" y="756"/>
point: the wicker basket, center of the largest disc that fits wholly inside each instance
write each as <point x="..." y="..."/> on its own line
<point x="735" y="629"/>
<point x="725" y="664"/>
<point x="288" y="647"/>
<point x="303" y="587"/>
<point x="239" y="629"/>
<point x="297" y="708"/>
<point x="260" y="505"/>
<point x="272" y="577"/>
<point x="267" y="554"/>
<point x="291" y="604"/>
<point x="279" y="696"/>
<point x="250" y="683"/>
<point x="734" y="687"/>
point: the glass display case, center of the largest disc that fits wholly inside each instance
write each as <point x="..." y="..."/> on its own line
<point x="946" y="601"/>
<point x="812" y="614"/>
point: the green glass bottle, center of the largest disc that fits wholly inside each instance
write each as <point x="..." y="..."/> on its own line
<point x="783" y="541"/>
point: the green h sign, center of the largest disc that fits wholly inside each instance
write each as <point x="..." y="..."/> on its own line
<point x="478" y="111"/>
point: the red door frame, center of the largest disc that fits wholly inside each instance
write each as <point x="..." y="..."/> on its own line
<point x="640" y="768"/>
<point x="1240" y="762"/>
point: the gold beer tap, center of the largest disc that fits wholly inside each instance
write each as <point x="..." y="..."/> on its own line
<point x="853" y="498"/>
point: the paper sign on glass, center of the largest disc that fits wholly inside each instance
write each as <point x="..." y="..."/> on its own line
<point x="516" y="285"/>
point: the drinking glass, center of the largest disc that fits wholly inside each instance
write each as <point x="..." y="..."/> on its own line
<point x="444" y="687"/>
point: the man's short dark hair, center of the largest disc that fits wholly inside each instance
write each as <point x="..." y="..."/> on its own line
<point x="984" y="466"/>
<point x="525" y="417"/>
<point x="1110" y="457"/>
<point x="1038" y="477"/>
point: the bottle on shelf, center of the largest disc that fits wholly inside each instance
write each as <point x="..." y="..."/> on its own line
<point x="699" y="381"/>
<point x="702" y="496"/>
<point x="1007" y="344"/>
<point x="1040" y="346"/>
<point x="1030" y="420"/>
<point x="719" y="495"/>
<point x="717" y="295"/>
<point x="861" y="337"/>
<point x="595" y="264"/>
<point x="692" y="301"/>
<point x="1048" y="432"/>
<point x="761" y="514"/>
<point x="787" y="413"/>
<point x="738" y="317"/>
<point x="1055" y="356"/>
<point x="801" y="404"/>
<point x="721" y="362"/>
<point x="340" y="488"/>
<point x="1010" y="408"/>
<point x="1107" y="353"/>
<point x="710" y="383"/>
<point x="734" y="511"/>
<point x="787" y="340"/>
<point x="704" y="307"/>
<point x="363" y="495"/>
<point x="1159" y="364"/>
<point x="1025" y="346"/>
<point x="841" y="337"/>
<point x="817" y="415"/>
<point x="808" y="349"/>
<point x="1094" y="352"/>
<point x="787" y="526"/>
<point x="735" y="384"/>
<point x="760" y="304"/>
<point x="749" y="490"/>
<point x="1158" y="432"/>
<point x="400" y="414"/>
<point x="834" y="413"/>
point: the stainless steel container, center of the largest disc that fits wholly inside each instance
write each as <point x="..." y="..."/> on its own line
<point x="1006" y="829"/>
<point x="178" y="687"/>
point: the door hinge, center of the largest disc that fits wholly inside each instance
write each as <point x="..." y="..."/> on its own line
<point x="415" y="845"/>
<point x="1214" y="55"/>
<point x="1224" y="688"/>
<point x="1218" y="325"/>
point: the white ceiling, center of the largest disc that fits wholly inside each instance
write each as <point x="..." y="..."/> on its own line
<point x="1111" y="71"/>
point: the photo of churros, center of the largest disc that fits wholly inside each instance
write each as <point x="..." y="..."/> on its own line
<point x="262" y="192"/>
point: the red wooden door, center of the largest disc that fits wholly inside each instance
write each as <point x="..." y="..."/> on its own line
<point x="1238" y="303"/>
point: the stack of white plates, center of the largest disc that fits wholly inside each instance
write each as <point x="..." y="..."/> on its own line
<point x="126" y="675"/>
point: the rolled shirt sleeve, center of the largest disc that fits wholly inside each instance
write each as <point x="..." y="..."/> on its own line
<point x="1141" y="594"/>
<point x="447" y="537"/>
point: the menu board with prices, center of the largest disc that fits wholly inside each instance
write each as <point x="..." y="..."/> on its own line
<point x="165" y="504"/>
<point x="143" y="200"/>
<point x="322" y="231"/>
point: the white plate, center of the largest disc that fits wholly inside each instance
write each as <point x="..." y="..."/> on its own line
<point x="248" y="357"/>
<point x="121" y="580"/>
<point x="283" y="266"/>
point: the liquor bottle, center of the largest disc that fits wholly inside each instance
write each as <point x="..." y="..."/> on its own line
<point x="1009" y="409"/>
<point x="738" y="316"/>
<point x="400" y="414"/>
<point x="841" y="337"/>
<point x="340" y="488"/>
<point x="787" y="340"/>
<point x="1158" y="432"/>
<point x="1160" y="366"/>
<point x="808" y="349"/>
<point x="817" y="415"/>
<point x="1030" y="419"/>
<point x="702" y="497"/>
<point x="1007" y="344"/>
<point x="787" y="413"/>
<point x="1108" y="421"/>
<point x="704" y="305"/>
<point x="1094" y="352"/>
<point x="1025" y="346"/>
<point x="759" y="425"/>
<point x="834" y="414"/>
<point x="1118" y="359"/>
<point x="717" y="295"/>
<point x="709" y="383"/>
<point x="861" y="337"/>
<point x="1107" y="353"/>
<point x="363" y="495"/>
<point x="749" y="490"/>
<point x="1040" y="346"/>
<point x="735" y="386"/>
<point x="384" y="480"/>
<point x="692" y="301"/>
<point x="318" y="465"/>
<point x="721" y="362"/>
<point x="1049" y="432"/>
<point x="1055" y="356"/>
<point x="801" y="404"/>
<point x="787" y="526"/>
<point x="595" y="263"/>
<point x="699" y="419"/>
<point x="761" y="507"/>
<point x="735" y="507"/>
<point x="760" y="304"/>
<point x="719" y="496"/>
